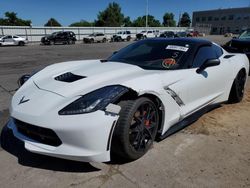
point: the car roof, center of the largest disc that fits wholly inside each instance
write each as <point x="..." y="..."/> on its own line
<point x="194" y="41"/>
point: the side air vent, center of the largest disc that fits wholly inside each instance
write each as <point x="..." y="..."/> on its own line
<point x="69" y="77"/>
<point x="228" y="56"/>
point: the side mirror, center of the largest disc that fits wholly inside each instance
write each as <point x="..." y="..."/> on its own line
<point x="208" y="63"/>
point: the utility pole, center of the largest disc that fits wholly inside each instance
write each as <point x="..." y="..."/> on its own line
<point x="146" y="14"/>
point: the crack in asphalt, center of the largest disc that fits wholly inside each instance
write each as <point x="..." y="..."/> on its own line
<point x="105" y="178"/>
<point x="6" y="90"/>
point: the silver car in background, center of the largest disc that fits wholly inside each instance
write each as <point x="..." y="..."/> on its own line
<point x="12" y="40"/>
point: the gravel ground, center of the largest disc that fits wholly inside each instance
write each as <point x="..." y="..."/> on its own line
<point x="212" y="152"/>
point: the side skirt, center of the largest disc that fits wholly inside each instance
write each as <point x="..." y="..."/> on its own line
<point x="187" y="121"/>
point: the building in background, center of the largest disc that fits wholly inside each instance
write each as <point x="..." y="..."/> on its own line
<point x="221" y="21"/>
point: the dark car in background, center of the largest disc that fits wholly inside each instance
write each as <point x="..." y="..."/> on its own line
<point x="240" y="44"/>
<point x="63" y="37"/>
<point x="181" y="34"/>
<point x="193" y="34"/>
<point x="167" y="34"/>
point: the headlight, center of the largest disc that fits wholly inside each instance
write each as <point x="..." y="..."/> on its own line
<point x="25" y="77"/>
<point x="96" y="100"/>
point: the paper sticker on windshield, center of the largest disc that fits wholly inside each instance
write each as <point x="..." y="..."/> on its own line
<point x="178" y="48"/>
<point x="167" y="63"/>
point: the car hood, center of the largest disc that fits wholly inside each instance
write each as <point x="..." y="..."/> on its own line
<point x="240" y="44"/>
<point x="93" y="75"/>
<point x="243" y="41"/>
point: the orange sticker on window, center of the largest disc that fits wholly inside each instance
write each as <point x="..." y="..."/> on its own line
<point x="168" y="62"/>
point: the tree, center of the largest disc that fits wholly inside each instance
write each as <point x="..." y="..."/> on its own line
<point x="141" y="21"/>
<point x="127" y="22"/>
<point x="53" y="22"/>
<point x="12" y="20"/>
<point x="168" y="20"/>
<point x="82" y="23"/>
<point x="185" y="20"/>
<point x="111" y="16"/>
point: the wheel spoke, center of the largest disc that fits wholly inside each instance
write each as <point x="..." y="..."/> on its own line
<point x="138" y="120"/>
<point x="142" y="128"/>
<point x="148" y="132"/>
<point x="142" y="142"/>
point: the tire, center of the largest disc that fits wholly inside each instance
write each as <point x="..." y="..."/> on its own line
<point x="104" y="40"/>
<point x="238" y="87"/>
<point x="128" y="38"/>
<point x="91" y="41"/>
<point x="21" y="43"/>
<point x="3" y="137"/>
<point x="70" y="42"/>
<point x="134" y="135"/>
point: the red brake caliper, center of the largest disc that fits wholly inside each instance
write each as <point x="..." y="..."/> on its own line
<point x="146" y="121"/>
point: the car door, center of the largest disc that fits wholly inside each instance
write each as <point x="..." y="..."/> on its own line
<point x="16" y="40"/>
<point x="59" y="37"/>
<point x="150" y="34"/>
<point x="8" y="40"/>
<point x="98" y="37"/>
<point x="197" y="90"/>
<point x="207" y="87"/>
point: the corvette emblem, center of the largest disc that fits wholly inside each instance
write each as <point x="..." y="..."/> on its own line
<point x="23" y="100"/>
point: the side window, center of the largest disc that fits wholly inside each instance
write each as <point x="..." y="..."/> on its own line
<point x="203" y="54"/>
<point x="8" y="37"/>
<point x="150" y="31"/>
<point x="217" y="50"/>
<point x="15" y="37"/>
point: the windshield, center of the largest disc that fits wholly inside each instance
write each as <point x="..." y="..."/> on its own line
<point x="245" y="35"/>
<point x="154" y="54"/>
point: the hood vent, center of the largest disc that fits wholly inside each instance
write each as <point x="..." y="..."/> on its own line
<point x="69" y="77"/>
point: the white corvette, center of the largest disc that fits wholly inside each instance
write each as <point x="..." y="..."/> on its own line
<point x="95" y="109"/>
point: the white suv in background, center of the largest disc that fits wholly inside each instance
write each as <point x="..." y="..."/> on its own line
<point x="13" y="40"/>
<point x="122" y="36"/>
<point x="147" y="34"/>
<point x="95" y="37"/>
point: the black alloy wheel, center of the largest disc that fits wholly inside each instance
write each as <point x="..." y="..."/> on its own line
<point x="237" y="91"/>
<point x="136" y="129"/>
<point x="143" y="127"/>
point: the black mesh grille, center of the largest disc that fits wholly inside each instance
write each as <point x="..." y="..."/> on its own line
<point x="39" y="134"/>
<point x="69" y="77"/>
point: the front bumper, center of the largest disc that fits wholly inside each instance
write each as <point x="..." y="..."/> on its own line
<point x="86" y="40"/>
<point x="85" y="137"/>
